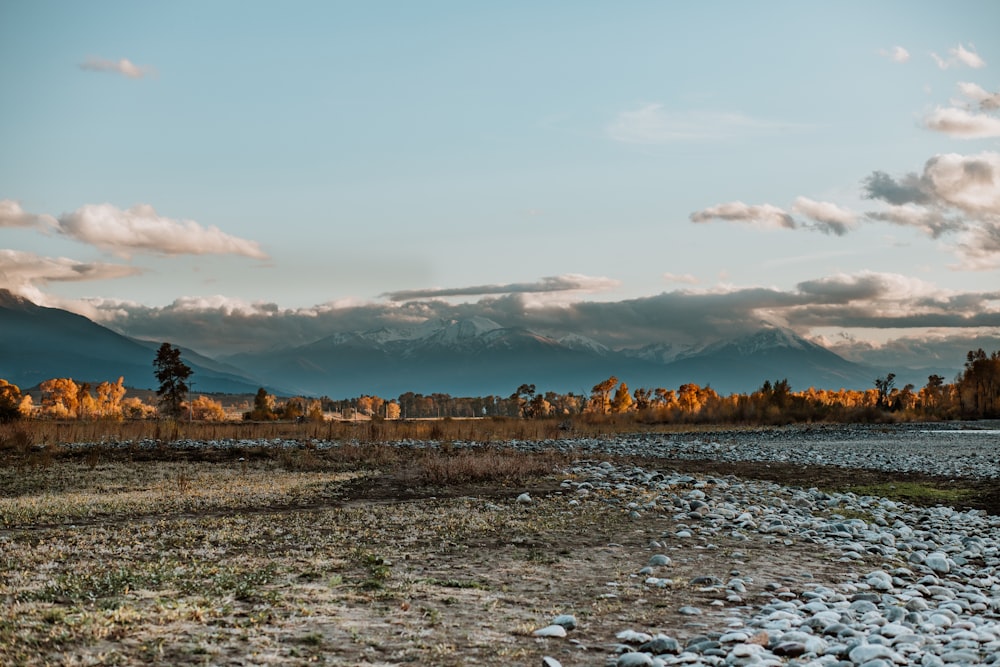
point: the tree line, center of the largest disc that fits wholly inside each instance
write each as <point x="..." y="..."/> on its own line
<point x="974" y="394"/>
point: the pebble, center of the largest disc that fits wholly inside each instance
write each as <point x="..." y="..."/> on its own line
<point x="550" y="631"/>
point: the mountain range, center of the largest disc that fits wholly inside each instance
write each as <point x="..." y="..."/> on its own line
<point x="468" y="357"/>
<point x="38" y="343"/>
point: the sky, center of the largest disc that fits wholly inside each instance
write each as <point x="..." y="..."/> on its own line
<point x="236" y="175"/>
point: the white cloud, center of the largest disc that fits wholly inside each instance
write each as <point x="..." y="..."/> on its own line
<point x="12" y="215"/>
<point x="141" y="229"/>
<point x="968" y="182"/>
<point x="125" y="67"/>
<point x="765" y="216"/>
<point x="652" y="124"/>
<point x="897" y="54"/>
<point x="829" y="217"/>
<point x="979" y="247"/>
<point x="960" y="56"/>
<point x="955" y="193"/>
<point x="987" y="101"/>
<point x="22" y="272"/>
<point x="930" y="221"/>
<point x="962" y="124"/>
<point x="571" y="282"/>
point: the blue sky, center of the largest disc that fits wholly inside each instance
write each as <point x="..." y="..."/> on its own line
<point x="638" y="171"/>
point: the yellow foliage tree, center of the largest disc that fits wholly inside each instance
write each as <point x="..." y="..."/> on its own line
<point x="622" y="402"/>
<point x="10" y="401"/>
<point x="109" y="399"/>
<point x="206" y="409"/>
<point x="60" y="398"/>
<point x="134" y="408"/>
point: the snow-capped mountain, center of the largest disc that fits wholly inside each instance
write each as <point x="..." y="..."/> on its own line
<point x="479" y="356"/>
<point x="475" y="356"/>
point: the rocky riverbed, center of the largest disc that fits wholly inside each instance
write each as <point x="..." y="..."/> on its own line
<point x="697" y="548"/>
<point x="921" y="587"/>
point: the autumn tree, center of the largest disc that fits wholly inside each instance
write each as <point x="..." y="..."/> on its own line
<point x="60" y="398"/>
<point x="10" y="402"/>
<point x="522" y="399"/>
<point x="884" y="386"/>
<point x="172" y="374"/>
<point x="622" y="402"/>
<point x="133" y="408"/>
<point x="207" y="409"/>
<point x="931" y="396"/>
<point x="263" y="407"/>
<point x="392" y="410"/>
<point x="979" y="384"/>
<point x="643" y="398"/>
<point x="539" y="406"/>
<point x="86" y="406"/>
<point x="109" y="399"/>
<point x="294" y="408"/>
<point x="600" y="394"/>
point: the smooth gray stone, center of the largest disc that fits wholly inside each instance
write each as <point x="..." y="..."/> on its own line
<point x="634" y="659"/>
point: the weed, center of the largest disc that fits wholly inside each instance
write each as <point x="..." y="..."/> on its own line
<point x="378" y="570"/>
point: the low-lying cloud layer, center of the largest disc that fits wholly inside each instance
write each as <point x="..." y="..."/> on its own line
<point x="861" y="300"/>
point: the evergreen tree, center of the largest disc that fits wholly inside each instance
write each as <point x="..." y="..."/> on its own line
<point x="172" y="374"/>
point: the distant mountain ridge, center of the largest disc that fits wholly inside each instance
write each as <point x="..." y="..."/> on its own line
<point x="38" y="343"/>
<point x="474" y="356"/>
<point x="482" y="357"/>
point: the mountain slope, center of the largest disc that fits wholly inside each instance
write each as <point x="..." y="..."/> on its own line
<point x="459" y="357"/>
<point x="476" y="356"/>
<point x="38" y="344"/>
<point x="742" y="364"/>
<point x="483" y="358"/>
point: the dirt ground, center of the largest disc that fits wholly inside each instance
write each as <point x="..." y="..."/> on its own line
<point x="379" y="571"/>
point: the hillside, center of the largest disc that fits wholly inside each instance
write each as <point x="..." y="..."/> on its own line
<point x="38" y="343"/>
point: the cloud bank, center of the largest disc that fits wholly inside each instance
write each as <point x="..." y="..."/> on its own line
<point x="860" y="300"/>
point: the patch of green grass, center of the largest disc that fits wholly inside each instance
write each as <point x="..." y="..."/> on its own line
<point x="378" y="570"/>
<point x="916" y="493"/>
